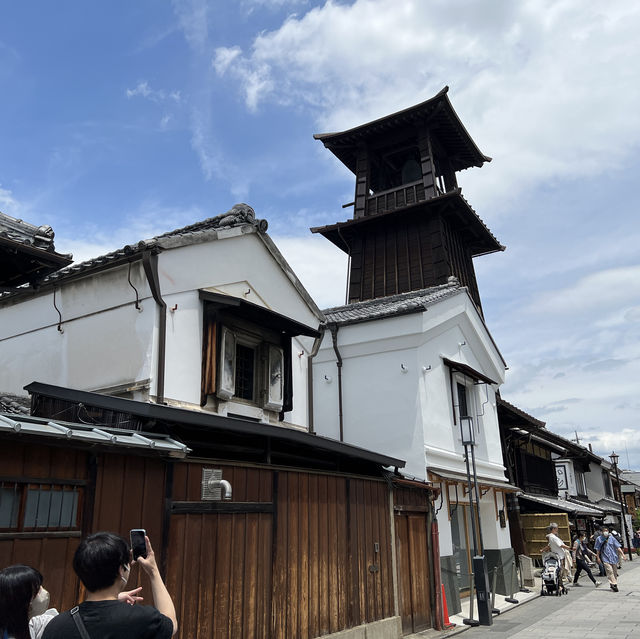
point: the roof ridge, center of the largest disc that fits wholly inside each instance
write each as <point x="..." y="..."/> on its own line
<point x="238" y="215"/>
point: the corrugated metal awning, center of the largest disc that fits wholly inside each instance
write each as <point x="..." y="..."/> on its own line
<point x="26" y="425"/>
<point x="564" y="505"/>
<point x="609" y="505"/>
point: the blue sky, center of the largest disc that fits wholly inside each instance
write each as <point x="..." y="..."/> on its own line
<point x="123" y="119"/>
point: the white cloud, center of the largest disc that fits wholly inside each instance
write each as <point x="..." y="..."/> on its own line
<point x="8" y="204"/>
<point x="320" y="266"/>
<point x="609" y="288"/>
<point x="523" y="76"/>
<point x="193" y="20"/>
<point x="142" y="89"/>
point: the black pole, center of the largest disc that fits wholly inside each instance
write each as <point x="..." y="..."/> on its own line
<point x="480" y="574"/>
<point x="622" y="517"/>
<point x="471" y="509"/>
<point x="475" y="483"/>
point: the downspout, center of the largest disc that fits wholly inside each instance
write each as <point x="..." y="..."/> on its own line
<point x="437" y="575"/>
<point x="334" y="338"/>
<point x="314" y="352"/>
<point x="150" y="264"/>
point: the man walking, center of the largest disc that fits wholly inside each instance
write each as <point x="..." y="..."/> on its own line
<point x="609" y="552"/>
<point x="580" y="553"/>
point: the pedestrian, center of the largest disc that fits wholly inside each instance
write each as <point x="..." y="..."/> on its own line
<point x="580" y="553"/>
<point x="24" y="603"/>
<point x="592" y="541"/>
<point x="618" y="538"/>
<point x="103" y="563"/>
<point x="636" y="541"/>
<point x="560" y="550"/>
<point x="609" y="552"/>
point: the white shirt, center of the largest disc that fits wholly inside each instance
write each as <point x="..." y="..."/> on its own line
<point x="38" y="623"/>
<point x="556" y="545"/>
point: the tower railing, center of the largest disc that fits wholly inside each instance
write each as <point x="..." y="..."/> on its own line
<point x="397" y="198"/>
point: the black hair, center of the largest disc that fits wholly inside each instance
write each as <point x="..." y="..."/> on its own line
<point x="98" y="559"/>
<point x="19" y="584"/>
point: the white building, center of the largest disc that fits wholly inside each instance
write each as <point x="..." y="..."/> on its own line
<point x="208" y="316"/>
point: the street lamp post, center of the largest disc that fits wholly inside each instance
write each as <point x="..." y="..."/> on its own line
<point x="480" y="573"/>
<point x="614" y="460"/>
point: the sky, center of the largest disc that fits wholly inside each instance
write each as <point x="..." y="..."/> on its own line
<point x="124" y="119"/>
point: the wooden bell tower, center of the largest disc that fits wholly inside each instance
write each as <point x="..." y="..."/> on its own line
<point x="411" y="227"/>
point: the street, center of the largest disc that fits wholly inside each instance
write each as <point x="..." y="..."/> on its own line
<point x="584" y="612"/>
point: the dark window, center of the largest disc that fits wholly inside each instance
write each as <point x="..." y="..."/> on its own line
<point x="462" y="400"/>
<point x="581" y="486"/>
<point x="245" y="371"/>
<point x="607" y="483"/>
<point x="38" y="506"/>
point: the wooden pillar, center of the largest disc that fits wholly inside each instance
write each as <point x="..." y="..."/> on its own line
<point x="362" y="183"/>
<point x="427" y="165"/>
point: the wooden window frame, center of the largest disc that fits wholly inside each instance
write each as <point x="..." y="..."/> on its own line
<point x="24" y="485"/>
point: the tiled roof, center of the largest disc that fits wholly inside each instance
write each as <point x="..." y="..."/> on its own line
<point x="22" y="232"/>
<point x="240" y="214"/>
<point x="401" y="304"/>
<point x="14" y="404"/>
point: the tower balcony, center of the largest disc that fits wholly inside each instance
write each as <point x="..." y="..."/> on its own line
<point x="398" y="197"/>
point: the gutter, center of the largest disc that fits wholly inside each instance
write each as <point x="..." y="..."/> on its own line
<point x="150" y="264"/>
<point x="334" y="338"/>
<point x="314" y="351"/>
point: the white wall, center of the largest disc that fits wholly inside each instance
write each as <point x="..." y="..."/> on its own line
<point x="410" y="414"/>
<point x="106" y="342"/>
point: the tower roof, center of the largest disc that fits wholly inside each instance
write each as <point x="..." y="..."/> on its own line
<point x="479" y="238"/>
<point x="437" y="112"/>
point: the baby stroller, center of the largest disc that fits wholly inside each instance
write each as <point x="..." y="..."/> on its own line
<point x="551" y="576"/>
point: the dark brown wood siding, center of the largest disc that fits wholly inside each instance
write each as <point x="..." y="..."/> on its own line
<point x="320" y="562"/>
<point x="413" y="556"/>
<point x="389" y="259"/>
<point x="50" y="555"/>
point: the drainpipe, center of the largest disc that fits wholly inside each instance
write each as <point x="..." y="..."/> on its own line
<point x="314" y="352"/>
<point x="334" y="338"/>
<point x="437" y="576"/>
<point x="150" y="264"/>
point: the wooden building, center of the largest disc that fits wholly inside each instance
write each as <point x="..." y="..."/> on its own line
<point x="411" y="227"/>
<point x="318" y="536"/>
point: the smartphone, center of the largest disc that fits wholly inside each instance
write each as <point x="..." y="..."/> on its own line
<point x="138" y="542"/>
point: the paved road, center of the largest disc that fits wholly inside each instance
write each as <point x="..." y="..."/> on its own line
<point x="585" y="613"/>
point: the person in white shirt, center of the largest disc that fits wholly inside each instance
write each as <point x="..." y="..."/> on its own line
<point x="558" y="547"/>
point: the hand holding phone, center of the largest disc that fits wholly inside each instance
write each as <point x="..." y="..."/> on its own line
<point x="138" y="543"/>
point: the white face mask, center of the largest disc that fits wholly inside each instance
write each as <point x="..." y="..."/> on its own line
<point x="40" y="603"/>
<point x="606" y="534"/>
<point x="125" y="576"/>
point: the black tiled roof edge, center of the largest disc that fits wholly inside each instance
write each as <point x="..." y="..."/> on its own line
<point x="488" y="230"/>
<point x="238" y="215"/>
<point x="401" y="304"/>
<point x="14" y="404"/>
<point x="21" y="232"/>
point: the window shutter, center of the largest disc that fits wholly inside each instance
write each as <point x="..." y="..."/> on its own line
<point x="275" y="378"/>
<point x="227" y="364"/>
<point x="209" y="363"/>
